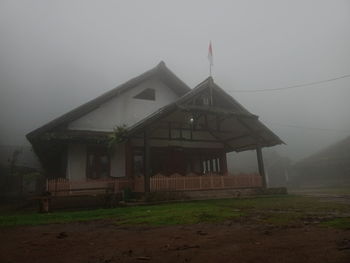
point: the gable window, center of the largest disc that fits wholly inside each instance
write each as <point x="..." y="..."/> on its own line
<point x="147" y="94"/>
<point x="98" y="163"/>
<point x="205" y="100"/>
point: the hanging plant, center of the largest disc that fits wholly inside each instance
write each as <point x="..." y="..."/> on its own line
<point x="119" y="135"/>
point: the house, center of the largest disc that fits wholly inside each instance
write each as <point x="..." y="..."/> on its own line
<point x="170" y="137"/>
<point x="328" y="167"/>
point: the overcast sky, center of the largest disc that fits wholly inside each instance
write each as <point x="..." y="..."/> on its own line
<point x="56" y="55"/>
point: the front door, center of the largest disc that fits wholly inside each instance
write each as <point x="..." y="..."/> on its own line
<point x="176" y="161"/>
<point x="98" y="163"/>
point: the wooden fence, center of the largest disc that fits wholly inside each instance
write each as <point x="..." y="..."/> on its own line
<point x="205" y="182"/>
<point x="62" y="186"/>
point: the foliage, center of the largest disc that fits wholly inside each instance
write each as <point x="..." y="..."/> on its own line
<point x="17" y="180"/>
<point x="4" y="170"/>
<point x="32" y="176"/>
<point x="118" y="136"/>
<point x="169" y="214"/>
<point x="9" y="180"/>
<point x="341" y="223"/>
<point x="279" y="210"/>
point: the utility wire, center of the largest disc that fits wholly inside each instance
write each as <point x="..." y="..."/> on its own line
<point x="307" y="127"/>
<point x="294" y="86"/>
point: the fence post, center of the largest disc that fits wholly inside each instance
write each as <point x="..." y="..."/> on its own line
<point x="69" y="186"/>
<point x="115" y="185"/>
<point x="55" y="185"/>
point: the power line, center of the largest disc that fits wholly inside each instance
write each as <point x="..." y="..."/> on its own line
<point x="294" y="86"/>
<point x="307" y="127"/>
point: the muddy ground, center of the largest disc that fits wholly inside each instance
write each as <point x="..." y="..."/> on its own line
<point x="102" y="241"/>
<point x="242" y="240"/>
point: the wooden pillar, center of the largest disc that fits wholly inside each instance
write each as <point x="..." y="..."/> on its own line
<point x="146" y="161"/>
<point x="217" y="165"/>
<point x="223" y="163"/>
<point x="261" y="165"/>
<point x="207" y="167"/>
<point x="128" y="159"/>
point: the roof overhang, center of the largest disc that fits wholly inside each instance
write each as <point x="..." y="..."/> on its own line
<point x="235" y="127"/>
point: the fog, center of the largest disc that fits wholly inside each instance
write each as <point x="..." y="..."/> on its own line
<point x="56" y="55"/>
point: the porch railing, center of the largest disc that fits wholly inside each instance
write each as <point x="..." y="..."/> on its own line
<point x="62" y="186"/>
<point x="206" y="182"/>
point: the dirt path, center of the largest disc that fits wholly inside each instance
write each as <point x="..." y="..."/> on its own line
<point x="325" y="196"/>
<point x="101" y="241"/>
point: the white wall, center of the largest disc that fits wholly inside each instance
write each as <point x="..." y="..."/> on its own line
<point x="76" y="162"/>
<point x="124" y="109"/>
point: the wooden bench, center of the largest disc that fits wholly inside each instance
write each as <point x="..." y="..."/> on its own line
<point x="88" y="191"/>
<point x="107" y="192"/>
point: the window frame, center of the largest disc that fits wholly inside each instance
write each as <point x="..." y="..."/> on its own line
<point x="97" y="151"/>
<point x="146" y="92"/>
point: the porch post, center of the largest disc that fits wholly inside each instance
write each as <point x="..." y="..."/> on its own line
<point x="223" y="163"/>
<point x="261" y="165"/>
<point x="146" y="161"/>
<point x="128" y="159"/>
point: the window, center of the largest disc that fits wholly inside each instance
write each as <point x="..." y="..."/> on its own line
<point x="138" y="165"/>
<point x="205" y="101"/>
<point x="98" y="163"/>
<point x="147" y="94"/>
<point x="211" y="165"/>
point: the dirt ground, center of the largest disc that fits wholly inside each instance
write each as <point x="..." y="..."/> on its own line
<point x="102" y="241"/>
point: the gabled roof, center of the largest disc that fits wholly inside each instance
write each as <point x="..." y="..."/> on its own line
<point x="248" y="131"/>
<point x="255" y="127"/>
<point x="161" y="71"/>
<point x="209" y="83"/>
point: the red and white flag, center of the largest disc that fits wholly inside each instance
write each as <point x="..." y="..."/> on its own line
<point x="210" y="54"/>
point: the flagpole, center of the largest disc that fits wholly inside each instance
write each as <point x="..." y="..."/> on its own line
<point x="210" y="58"/>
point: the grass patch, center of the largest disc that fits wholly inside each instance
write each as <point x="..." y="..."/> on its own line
<point x="340" y="223"/>
<point x="168" y="214"/>
<point x="179" y="213"/>
<point x="274" y="209"/>
<point x="51" y="218"/>
<point x="290" y="203"/>
<point x="283" y="218"/>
